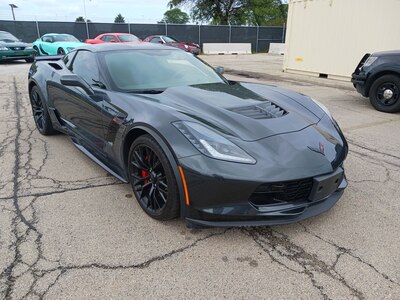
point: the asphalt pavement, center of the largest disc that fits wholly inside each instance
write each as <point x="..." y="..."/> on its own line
<point x="68" y="230"/>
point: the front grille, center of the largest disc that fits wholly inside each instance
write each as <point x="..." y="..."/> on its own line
<point x="278" y="192"/>
<point x="265" y="110"/>
<point x="17" y="48"/>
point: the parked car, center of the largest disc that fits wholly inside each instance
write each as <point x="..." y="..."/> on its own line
<point x="190" y="142"/>
<point x="170" y="41"/>
<point x="377" y="76"/>
<point x="114" y="38"/>
<point x="12" y="48"/>
<point x="56" y="44"/>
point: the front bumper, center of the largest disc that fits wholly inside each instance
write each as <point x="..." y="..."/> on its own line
<point x="219" y="202"/>
<point x="9" y="55"/>
<point x="360" y="83"/>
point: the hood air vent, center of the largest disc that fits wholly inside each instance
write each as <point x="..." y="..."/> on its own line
<point x="266" y="110"/>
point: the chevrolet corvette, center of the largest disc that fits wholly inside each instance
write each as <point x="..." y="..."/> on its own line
<point x="191" y="143"/>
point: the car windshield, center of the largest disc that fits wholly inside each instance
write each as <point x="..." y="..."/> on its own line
<point x="64" y="38"/>
<point x="128" y="38"/>
<point x="169" y="39"/>
<point x="132" y="70"/>
<point x="7" y="37"/>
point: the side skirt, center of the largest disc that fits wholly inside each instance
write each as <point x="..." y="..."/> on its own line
<point x="92" y="157"/>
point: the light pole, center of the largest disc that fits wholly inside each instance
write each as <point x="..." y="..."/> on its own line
<point x="87" y="26"/>
<point x="12" y="10"/>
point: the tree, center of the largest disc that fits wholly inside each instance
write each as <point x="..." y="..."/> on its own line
<point x="175" y="16"/>
<point x="119" y="19"/>
<point x="80" y="19"/>
<point x="218" y="12"/>
<point x="265" y="12"/>
<point x="243" y="12"/>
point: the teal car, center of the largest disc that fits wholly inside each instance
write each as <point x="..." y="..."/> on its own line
<point x="12" y="48"/>
<point x="56" y="44"/>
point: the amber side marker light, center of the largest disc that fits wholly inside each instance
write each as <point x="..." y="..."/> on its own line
<point x="185" y="189"/>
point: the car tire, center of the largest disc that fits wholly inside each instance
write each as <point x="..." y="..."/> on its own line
<point x="385" y="93"/>
<point x="37" y="53"/>
<point x="40" y="113"/>
<point x="152" y="179"/>
<point x="60" y="51"/>
<point x="30" y="60"/>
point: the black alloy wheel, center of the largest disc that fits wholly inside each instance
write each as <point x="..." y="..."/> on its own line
<point x="152" y="179"/>
<point x="385" y="93"/>
<point x="37" y="53"/>
<point x="40" y="113"/>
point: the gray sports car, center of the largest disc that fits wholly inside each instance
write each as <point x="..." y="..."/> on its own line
<point x="190" y="142"/>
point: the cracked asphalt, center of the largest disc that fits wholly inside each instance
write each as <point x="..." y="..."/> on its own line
<point x="68" y="230"/>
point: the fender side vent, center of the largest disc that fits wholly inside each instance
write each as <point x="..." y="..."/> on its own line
<point x="55" y="66"/>
<point x="266" y="110"/>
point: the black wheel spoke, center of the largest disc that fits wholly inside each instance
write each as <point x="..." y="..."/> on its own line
<point x="148" y="178"/>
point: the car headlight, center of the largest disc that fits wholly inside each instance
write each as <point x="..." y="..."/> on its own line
<point x="3" y="48"/>
<point x="370" y="61"/>
<point x="29" y="48"/>
<point x="212" y="144"/>
<point x="323" y="107"/>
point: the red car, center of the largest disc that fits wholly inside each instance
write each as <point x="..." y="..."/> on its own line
<point x="167" y="40"/>
<point x="114" y="38"/>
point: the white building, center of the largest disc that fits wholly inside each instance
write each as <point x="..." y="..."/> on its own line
<point x="329" y="37"/>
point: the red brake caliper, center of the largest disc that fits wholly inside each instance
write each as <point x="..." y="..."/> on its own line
<point x="145" y="174"/>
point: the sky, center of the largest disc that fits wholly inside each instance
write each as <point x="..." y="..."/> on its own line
<point x="134" y="11"/>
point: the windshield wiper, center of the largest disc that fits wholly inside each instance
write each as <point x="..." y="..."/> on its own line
<point x="147" y="91"/>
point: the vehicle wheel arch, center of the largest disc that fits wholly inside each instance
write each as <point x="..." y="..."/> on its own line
<point x="31" y="85"/>
<point x="144" y="129"/>
<point x="374" y="77"/>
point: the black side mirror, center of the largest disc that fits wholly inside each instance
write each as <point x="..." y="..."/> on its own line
<point x="75" y="80"/>
<point x="220" y="70"/>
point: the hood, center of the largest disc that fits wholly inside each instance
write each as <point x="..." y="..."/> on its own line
<point x="17" y="44"/>
<point x="69" y="44"/>
<point x="387" y="53"/>
<point x="244" y="110"/>
<point x="182" y="44"/>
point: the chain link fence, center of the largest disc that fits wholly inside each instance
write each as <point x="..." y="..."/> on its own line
<point x="259" y="36"/>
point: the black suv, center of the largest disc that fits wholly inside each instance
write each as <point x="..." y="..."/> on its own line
<point x="377" y="76"/>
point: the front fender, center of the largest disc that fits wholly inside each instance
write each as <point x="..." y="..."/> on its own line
<point x="169" y="152"/>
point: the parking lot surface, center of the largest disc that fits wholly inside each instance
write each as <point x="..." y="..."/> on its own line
<point x="68" y="230"/>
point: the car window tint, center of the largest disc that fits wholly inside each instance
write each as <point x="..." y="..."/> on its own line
<point x="155" y="40"/>
<point x="85" y="65"/>
<point x="155" y="69"/>
<point x="169" y="39"/>
<point x="68" y="59"/>
<point x="108" y="38"/>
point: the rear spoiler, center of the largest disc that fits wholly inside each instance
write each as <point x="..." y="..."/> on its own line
<point x="49" y="57"/>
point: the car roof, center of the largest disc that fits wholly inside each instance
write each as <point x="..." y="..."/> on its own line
<point x="121" y="33"/>
<point x="122" y="46"/>
<point x="56" y="34"/>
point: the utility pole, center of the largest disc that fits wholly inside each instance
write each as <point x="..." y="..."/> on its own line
<point x="12" y="10"/>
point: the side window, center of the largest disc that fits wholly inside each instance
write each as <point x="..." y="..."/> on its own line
<point x="85" y="65"/>
<point x="108" y="38"/>
<point x="68" y="59"/>
<point x="156" y="40"/>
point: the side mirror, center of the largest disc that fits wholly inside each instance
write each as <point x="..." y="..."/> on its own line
<point x="113" y="41"/>
<point x="220" y="70"/>
<point x="75" y="80"/>
<point x="160" y="42"/>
